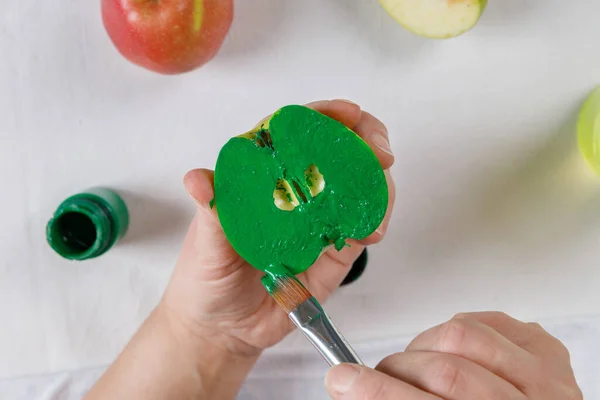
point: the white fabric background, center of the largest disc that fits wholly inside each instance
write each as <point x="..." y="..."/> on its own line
<point x="493" y="210"/>
<point x="295" y="375"/>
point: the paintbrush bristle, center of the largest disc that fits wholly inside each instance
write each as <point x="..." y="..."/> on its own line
<point x="288" y="292"/>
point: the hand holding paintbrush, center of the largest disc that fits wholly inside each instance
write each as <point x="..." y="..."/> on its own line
<point x="307" y="314"/>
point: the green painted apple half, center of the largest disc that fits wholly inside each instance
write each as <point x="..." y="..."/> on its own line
<point x="295" y="185"/>
<point x="437" y="19"/>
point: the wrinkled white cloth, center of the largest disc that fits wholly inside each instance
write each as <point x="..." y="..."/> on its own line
<point x="299" y="375"/>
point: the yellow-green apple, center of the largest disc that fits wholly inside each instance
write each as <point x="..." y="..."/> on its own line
<point x="437" y="19"/>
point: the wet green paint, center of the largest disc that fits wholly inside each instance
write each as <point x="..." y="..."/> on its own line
<point x="88" y="224"/>
<point x="352" y="203"/>
<point x="272" y="276"/>
<point x="269" y="283"/>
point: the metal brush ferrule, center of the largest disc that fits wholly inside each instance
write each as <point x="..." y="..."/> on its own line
<point x="310" y="318"/>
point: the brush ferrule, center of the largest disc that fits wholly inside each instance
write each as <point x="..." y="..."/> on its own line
<point x="310" y="318"/>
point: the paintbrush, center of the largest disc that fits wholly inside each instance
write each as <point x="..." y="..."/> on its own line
<point x="308" y="315"/>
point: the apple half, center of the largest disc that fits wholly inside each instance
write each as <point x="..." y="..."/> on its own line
<point x="436" y="19"/>
<point x="295" y="185"/>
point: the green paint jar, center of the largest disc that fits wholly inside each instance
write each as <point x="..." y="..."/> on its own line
<point x="88" y="224"/>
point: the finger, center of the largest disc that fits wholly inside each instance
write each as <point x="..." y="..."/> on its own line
<point x="379" y="233"/>
<point x="206" y="244"/>
<point x="330" y="269"/>
<point x="375" y="134"/>
<point x="344" y="111"/>
<point x="529" y="336"/>
<point x="369" y="128"/>
<point x="448" y="376"/>
<point x="553" y="359"/>
<point x="481" y="344"/>
<point x="353" y="382"/>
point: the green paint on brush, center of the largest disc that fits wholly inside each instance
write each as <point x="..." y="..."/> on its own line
<point x="273" y="274"/>
<point x="270" y="283"/>
<point x="250" y="178"/>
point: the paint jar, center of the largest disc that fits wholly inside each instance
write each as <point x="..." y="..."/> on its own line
<point x="88" y="224"/>
<point x="357" y="269"/>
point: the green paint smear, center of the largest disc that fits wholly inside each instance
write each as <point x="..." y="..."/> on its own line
<point x="352" y="204"/>
<point x="269" y="283"/>
<point x="270" y="280"/>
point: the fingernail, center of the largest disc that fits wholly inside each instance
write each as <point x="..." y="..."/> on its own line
<point x="382" y="142"/>
<point x="347" y="101"/>
<point x="187" y="191"/>
<point x="209" y="206"/>
<point x="195" y="200"/>
<point x="341" y="378"/>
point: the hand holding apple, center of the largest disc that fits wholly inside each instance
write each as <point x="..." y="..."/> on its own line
<point x="294" y="185"/>
<point x="168" y="36"/>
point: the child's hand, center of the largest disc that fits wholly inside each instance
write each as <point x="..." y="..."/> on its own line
<point x="217" y="296"/>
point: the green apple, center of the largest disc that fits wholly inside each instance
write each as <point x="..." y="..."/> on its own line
<point x="588" y="130"/>
<point x="436" y="19"/>
<point x="295" y="185"/>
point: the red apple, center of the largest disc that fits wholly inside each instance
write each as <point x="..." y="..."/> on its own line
<point x="168" y="36"/>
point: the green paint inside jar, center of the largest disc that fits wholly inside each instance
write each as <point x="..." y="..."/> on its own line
<point x="87" y="224"/>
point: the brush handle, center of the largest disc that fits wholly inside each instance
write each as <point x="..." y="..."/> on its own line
<point x="311" y="319"/>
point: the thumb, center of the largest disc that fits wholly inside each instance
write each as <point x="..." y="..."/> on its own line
<point x="355" y="382"/>
<point x="205" y="243"/>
